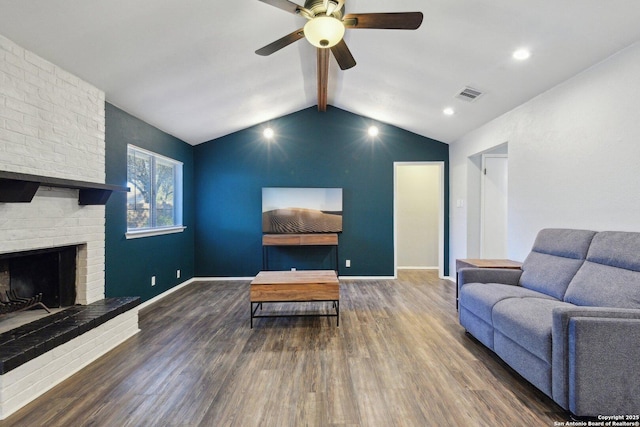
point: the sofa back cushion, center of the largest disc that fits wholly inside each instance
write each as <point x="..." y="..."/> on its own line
<point x="556" y="256"/>
<point x="610" y="277"/>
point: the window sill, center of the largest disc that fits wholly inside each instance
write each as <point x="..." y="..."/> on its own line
<point x="153" y="232"/>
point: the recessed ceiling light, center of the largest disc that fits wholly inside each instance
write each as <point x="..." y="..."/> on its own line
<point x="373" y="131"/>
<point x="449" y="111"/>
<point x="268" y="133"/>
<point x="521" y="54"/>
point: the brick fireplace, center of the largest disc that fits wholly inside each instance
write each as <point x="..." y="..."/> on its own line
<point x="52" y="124"/>
<point x="53" y="220"/>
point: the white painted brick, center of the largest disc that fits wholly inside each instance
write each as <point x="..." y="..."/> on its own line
<point x="50" y="78"/>
<point x="67" y="77"/>
<point x="99" y="275"/>
<point x="16" y="59"/>
<point x="39" y="62"/>
<point x="27" y="148"/>
<point x="9" y="113"/>
<point x="21" y="128"/>
<point x="40" y="125"/>
<point x="11" y="159"/>
<point x="20" y="106"/>
<point x="95" y="269"/>
<point x="59" y="363"/>
<point x="16" y="376"/>
<point x="37" y="101"/>
<point x="49" y="136"/>
<point x="21" y="86"/>
<point x="9" y="46"/>
<point x="11" y="69"/>
<point x="9" y="137"/>
<point x="36" y="81"/>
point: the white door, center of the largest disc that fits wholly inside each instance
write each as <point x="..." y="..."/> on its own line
<point x="493" y="216"/>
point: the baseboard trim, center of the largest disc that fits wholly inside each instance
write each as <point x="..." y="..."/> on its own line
<point x="158" y="297"/>
<point x="244" y="279"/>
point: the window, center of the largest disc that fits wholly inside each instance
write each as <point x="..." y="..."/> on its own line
<point x="154" y="201"/>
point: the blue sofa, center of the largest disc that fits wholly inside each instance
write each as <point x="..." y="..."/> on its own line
<point x="569" y="321"/>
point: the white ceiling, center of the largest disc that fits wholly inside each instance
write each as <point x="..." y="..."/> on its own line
<point x="188" y="67"/>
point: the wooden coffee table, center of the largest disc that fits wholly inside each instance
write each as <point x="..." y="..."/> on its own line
<point x="295" y="286"/>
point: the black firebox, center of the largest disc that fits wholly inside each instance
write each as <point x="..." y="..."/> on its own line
<point x="51" y="272"/>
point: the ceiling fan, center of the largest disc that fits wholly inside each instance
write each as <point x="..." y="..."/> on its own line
<point x="325" y="28"/>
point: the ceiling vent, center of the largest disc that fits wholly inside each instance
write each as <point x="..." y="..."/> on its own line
<point x="469" y="94"/>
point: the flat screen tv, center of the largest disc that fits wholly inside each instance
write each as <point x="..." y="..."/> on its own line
<point x="301" y="210"/>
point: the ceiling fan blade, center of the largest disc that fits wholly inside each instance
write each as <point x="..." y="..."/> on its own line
<point x="343" y="55"/>
<point x="285" y="5"/>
<point x="323" y="78"/>
<point x="280" y="43"/>
<point x="386" y="21"/>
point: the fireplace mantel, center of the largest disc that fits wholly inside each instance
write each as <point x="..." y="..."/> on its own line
<point x="20" y="188"/>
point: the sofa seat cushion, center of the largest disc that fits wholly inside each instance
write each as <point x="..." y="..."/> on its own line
<point x="480" y="298"/>
<point x="528" y="322"/>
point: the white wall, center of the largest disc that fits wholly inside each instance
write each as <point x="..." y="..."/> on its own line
<point x="417" y="210"/>
<point x="574" y="157"/>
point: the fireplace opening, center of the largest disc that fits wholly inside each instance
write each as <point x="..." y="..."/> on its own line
<point x="50" y="272"/>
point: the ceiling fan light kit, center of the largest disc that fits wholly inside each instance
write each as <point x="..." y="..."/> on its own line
<point x="324" y="31"/>
<point x="325" y="28"/>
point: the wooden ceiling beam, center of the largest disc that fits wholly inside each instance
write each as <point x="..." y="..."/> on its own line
<point x="323" y="78"/>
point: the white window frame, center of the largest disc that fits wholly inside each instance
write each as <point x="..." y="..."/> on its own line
<point x="177" y="227"/>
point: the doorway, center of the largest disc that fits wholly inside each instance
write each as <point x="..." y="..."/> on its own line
<point x="474" y="201"/>
<point x="493" y="200"/>
<point x="419" y="216"/>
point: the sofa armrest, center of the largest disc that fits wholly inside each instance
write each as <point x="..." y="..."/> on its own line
<point x="488" y="275"/>
<point x="594" y="367"/>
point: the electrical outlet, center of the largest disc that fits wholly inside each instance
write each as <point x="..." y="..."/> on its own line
<point x="153" y="280"/>
<point x="293" y="269"/>
<point x="347" y="263"/>
<point x="177" y="274"/>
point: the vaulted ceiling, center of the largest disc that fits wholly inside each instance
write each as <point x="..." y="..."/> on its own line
<point x="188" y="67"/>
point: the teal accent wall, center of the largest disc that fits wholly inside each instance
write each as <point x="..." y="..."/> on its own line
<point x="310" y="149"/>
<point x="131" y="263"/>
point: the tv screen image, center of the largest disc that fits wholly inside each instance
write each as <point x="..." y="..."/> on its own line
<point x="301" y="210"/>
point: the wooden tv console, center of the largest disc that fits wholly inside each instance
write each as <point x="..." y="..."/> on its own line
<point x="312" y="239"/>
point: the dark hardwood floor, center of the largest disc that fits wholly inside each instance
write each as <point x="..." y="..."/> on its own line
<point x="399" y="358"/>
